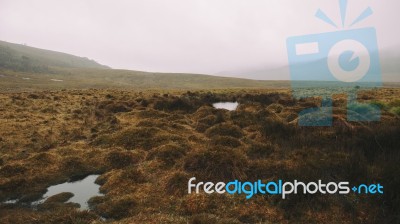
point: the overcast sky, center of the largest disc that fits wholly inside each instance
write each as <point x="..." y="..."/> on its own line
<point x="196" y="36"/>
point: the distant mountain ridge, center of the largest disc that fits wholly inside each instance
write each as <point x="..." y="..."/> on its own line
<point x="20" y="57"/>
<point x="389" y="61"/>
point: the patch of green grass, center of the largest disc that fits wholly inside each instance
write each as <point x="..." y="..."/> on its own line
<point x="380" y="104"/>
<point x="395" y="110"/>
<point x="394" y="103"/>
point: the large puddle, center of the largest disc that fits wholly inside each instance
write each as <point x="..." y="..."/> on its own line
<point x="231" y="106"/>
<point x="83" y="190"/>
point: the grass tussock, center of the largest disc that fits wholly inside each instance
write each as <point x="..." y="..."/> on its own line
<point x="168" y="153"/>
<point x="118" y="208"/>
<point x="225" y="141"/>
<point x="60" y="198"/>
<point x="121" y="159"/>
<point x="259" y="150"/>
<point x="138" y="138"/>
<point x="224" y="129"/>
<point x="176" y="182"/>
<point x="219" y="163"/>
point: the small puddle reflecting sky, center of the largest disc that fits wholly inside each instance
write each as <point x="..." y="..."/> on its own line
<point x="83" y="190"/>
<point x="231" y="106"/>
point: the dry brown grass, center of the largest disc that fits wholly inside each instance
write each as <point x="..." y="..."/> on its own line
<point x="147" y="145"/>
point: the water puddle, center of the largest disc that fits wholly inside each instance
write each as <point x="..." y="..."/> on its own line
<point x="83" y="190"/>
<point x="231" y="106"/>
<point x="14" y="201"/>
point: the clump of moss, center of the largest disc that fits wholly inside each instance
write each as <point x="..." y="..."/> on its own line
<point x="224" y="129"/>
<point x="218" y="163"/>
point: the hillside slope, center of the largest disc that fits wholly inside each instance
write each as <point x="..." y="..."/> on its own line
<point x="122" y="79"/>
<point x="19" y="57"/>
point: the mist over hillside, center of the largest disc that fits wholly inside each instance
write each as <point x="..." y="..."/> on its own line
<point x="389" y="60"/>
<point x="28" y="68"/>
<point x="20" y="57"/>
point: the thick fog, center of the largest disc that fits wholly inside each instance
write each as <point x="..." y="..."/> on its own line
<point x="196" y="36"/>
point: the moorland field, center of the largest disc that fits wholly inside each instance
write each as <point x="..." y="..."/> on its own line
<point x="146" y="145"/>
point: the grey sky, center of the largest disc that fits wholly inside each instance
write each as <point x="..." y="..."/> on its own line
<point x="197" y="36"/>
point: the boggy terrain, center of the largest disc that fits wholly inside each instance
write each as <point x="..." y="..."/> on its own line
<point x="147" y="145"/>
